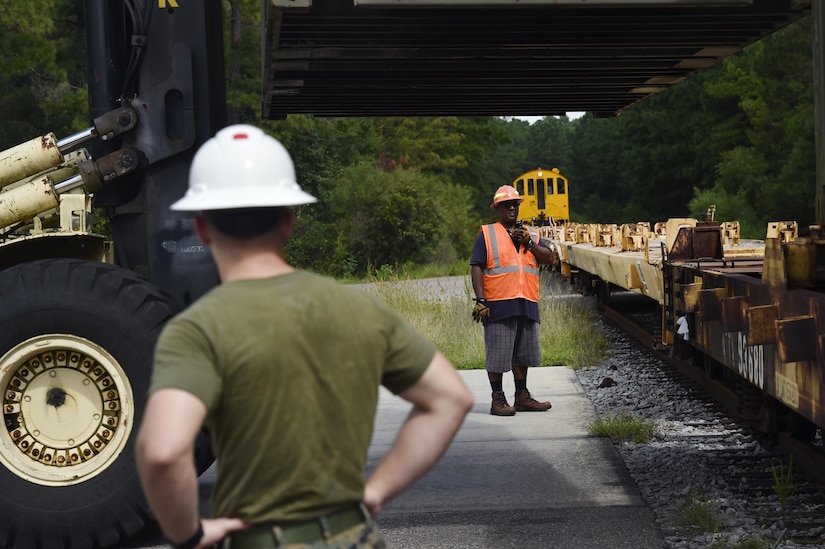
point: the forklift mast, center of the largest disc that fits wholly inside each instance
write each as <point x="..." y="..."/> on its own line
<point x="167" y="64"/>
<point x="80" y="318"/>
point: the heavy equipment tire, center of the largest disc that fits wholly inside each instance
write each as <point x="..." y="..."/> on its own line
<point x="76" y="344"/>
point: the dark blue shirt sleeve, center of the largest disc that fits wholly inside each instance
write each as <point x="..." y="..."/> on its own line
<point x="479" y="255"/>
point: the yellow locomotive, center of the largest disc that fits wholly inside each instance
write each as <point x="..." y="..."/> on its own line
<point x="545" y="197"/>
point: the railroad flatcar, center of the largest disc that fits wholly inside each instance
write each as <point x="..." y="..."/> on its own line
<point x="746" y="313"/>
<point x="545" y="194"/>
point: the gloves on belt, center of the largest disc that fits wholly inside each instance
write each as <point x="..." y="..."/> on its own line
<point x="481" y="310"/>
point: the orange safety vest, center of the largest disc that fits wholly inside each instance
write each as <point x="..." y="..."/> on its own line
<point x="509" y="273"/>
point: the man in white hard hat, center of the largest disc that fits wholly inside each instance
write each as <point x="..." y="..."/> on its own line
<point x="505" y="276"/>
<point x="284" y="366"/>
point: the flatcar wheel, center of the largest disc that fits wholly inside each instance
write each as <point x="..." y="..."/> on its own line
<point x="76" y="341"/>
<point x="707" y="363"/>
<point x="713" y="370"/>
<point x="603" y="292"/>
<point x="802" y="429"/>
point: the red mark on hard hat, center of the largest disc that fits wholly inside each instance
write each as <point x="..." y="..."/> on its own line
<point x="240" y="136"/>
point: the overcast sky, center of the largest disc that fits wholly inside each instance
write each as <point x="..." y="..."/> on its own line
<point x="531" y="119"/>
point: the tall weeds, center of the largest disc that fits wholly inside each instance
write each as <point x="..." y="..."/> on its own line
<point x="569" y="332"/>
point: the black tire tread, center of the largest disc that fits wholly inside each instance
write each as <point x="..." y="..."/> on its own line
<point x="131" y="311"/>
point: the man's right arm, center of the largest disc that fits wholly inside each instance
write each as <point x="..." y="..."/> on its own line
<point x="477" y="261"/>
<point x="477" y="277"/>
<point x="440" y="401"/>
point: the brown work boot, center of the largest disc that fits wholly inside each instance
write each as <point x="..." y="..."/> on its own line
<point x="526" y="403"/>
<point x="500" y="406"/>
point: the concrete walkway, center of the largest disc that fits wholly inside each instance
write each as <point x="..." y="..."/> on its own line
<point x="535" y="480"/>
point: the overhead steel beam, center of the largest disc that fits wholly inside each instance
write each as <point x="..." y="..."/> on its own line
<point x="561" y="3"/>
<point x="335" y="58"/>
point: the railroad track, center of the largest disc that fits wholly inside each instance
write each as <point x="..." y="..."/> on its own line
<point x="714" y="446"/>
<point x="641" y="326"/>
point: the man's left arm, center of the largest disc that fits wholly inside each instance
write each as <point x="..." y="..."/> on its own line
<point x="440" y="400"/>
<point x="165" y="460"/>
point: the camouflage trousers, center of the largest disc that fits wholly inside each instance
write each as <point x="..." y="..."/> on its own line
<point x="361" y="536"/>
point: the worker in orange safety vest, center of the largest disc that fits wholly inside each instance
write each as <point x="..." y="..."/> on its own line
<point x="505" y="276"/>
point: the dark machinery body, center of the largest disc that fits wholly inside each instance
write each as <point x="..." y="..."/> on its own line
<point x="79" y="315"/>
<point x="181" y="102"/>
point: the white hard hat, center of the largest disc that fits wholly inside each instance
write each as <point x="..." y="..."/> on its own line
<point x="241" y="167"/>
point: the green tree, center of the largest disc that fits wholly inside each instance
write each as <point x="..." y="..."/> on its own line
<point x="657" y="167"/>
<point x="429" y="144"/>
<point x="594" y="180"/>
<point x="503" y="161"/>
<point x="242" y="58"/>
<point x="549" y="144"/>
<point x="391" y="218"/>
<point x="728" y="208"/>
<point x="481" y="135"/>
<point x="773" y="168"/>
<point x="41" y="81"/>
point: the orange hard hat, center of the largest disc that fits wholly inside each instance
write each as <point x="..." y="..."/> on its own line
<point x="504" y="194"/>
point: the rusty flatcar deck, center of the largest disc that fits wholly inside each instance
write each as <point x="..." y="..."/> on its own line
<point x="752" y="307"/>
<point x="632" y="256"/>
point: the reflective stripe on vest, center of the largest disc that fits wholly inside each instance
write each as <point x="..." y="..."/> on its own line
<point x="509" y="273"/>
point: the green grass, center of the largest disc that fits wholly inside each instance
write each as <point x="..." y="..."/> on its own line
<point x="624" y="427"/>
<point x="446" y="322"/>
<point x="569" y="334"/>
<point x="568" y="330"/>
<point x="697" y="512"/>
<point x="783" y="483"/>
<point x="413" y="271"/>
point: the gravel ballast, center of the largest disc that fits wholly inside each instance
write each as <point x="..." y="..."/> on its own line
<point x="700" y="456"/>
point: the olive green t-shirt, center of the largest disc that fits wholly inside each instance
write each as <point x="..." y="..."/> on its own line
<point x="289" y="369"/>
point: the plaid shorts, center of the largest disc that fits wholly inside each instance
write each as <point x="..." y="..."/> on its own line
<point x="511" y="342"/>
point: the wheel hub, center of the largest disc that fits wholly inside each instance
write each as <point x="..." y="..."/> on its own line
<point x="67" y="409"/>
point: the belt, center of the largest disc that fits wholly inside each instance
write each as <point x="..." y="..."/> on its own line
<point x="276" y="534"/>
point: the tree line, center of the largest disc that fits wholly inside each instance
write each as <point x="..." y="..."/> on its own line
<point x="399" y="190"/>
